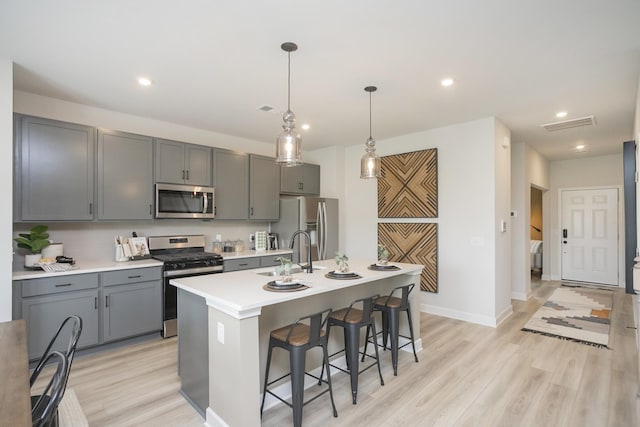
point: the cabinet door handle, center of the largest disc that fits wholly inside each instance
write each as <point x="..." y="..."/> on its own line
<point x="183" y="174"/>
<point x="61" y="285"/>
<point x="251" y="211"/>
<point x="150" y="209"/>
<point x="90" y="208"/>
<point x="106" y="301"/>
<point x="135" y="277"/>
<point x="187" y="175"/>
<point x="95" y="303"/>
<point x="301" y="186"/>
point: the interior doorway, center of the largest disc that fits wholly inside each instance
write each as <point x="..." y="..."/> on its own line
<point x="535" y="233"/>
<point x="589" y="235"/>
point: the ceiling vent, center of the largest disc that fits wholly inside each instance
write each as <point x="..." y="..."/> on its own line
<point x="567" y="124"/>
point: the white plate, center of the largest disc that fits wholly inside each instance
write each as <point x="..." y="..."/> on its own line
<point x="339" y="273"/>
<point x="283" y="283"/>
<point x="383" y="265"/>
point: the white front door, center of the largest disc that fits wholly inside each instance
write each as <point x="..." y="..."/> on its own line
<point x="589" y="235"/>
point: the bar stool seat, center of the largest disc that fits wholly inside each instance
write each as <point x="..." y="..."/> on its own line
<point x="390" y="306"/>
<point x="297" y="338"/>
<point x="352" y="319"/>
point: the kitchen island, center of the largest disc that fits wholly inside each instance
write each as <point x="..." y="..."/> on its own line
<point x="229" y="317"/>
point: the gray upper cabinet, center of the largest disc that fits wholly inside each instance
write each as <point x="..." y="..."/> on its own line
<point x="55" y="170"/>
<point x="181" y="163"/>
<point x="264" y="188"/>
<point x="231" y="182"/>
<point x="125" y="176"/>
<point x="300" y="180"/>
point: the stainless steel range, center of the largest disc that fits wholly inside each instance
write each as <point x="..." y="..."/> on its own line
<point x="183" y="256"/>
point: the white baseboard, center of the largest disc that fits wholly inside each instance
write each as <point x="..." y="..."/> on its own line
<point x="460" y="315"/>
<point x="520" y="296"/>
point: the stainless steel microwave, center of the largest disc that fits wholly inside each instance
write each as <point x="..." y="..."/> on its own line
<point x="184" y="201"/>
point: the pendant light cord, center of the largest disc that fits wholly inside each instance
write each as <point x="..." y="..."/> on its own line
<point x="370" y="115"/>
<point x="289" y="83"/>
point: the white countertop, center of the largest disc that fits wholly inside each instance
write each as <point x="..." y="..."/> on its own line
<point x="240" y="293"/>
<point x="253" y="253"/>
<point x="82" y="267"/>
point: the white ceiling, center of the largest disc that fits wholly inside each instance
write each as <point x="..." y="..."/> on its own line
<point x="214" y="63"/>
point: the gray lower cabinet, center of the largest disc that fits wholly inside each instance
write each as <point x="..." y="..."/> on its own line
<point x="45" y="303"/>
<point x="132" y="302"/>
<point x="125" y="176"/>
<point x="264" y="188"/>
<point x="131" y="309"/>
<point x="182" y="163"/>
<point x="231" y="181"/>
<point x="54" y="170"/>
<point x="303" y="180"/>
<point x="113" y="305"/>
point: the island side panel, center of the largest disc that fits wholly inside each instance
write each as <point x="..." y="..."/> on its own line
<point x="234" y="371"/>
<point x="193" y="349"/>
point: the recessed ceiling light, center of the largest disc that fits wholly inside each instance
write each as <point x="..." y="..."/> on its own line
<point x="144" y="81"/>
<point x="305" y="126"/>
<point x="446" y="82"/>
<point x="580" y="147"/>
<point x="561" y="114"/>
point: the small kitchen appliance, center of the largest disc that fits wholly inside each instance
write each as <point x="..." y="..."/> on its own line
<point x="183" y="256"/>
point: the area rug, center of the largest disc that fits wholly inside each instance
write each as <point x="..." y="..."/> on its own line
<point x="579" y="314"/>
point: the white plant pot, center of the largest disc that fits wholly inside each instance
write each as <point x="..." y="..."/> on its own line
<point x="31" y="260"/>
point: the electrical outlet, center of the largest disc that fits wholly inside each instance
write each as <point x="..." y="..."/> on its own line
<point x="220" y="333"/>
<point x="218" y="237"/>
<point x="252" y="237"/>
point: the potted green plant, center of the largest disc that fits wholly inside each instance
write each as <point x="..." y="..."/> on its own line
<point x="33" y="242"/>
<point x="341" y="259"/>
<point x="383" y="254"/>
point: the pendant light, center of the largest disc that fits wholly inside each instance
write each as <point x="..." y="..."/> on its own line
<point x="289" y="143"/>
<point x="370" y="162"/>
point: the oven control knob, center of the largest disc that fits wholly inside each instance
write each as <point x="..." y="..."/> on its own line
<point x="182" y="265"/>
<point x="171" y="266"/>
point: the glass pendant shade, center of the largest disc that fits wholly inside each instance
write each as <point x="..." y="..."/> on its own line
<point x="370" y="162"/>
<point x="370" y="166"/>
<point x="289" y="142"/>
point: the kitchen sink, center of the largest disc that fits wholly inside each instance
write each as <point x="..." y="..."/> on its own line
<point x="294" y="270"/>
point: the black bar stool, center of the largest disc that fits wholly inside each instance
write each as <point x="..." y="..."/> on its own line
<point x="352" y="319"/>
<point x="391" y="306"/>
<point x="297" y="338"/>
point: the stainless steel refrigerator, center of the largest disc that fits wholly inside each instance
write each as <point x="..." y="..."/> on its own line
<point x="316" y="215"/>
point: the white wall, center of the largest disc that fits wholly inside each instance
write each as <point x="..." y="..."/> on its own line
<point x="502" y="257"/>
<point x="528" y="167"/>
<point x="6" y="183"/>
<point x="467" y="202"/>
<point x="601" y="171"/>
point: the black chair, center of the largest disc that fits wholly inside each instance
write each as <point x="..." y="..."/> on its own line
<point x="391" y="306"/>
<point x="351" y="320"/>
<point x="297" y="338"/>
<point x="44" y="407"/>
<point x="47" y="404"/>
<point x="74" y="336"/>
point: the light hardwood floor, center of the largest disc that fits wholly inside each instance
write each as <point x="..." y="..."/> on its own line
<point x="468" y="375"/>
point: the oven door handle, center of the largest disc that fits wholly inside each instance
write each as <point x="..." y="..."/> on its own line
<point x="192" y="271"/>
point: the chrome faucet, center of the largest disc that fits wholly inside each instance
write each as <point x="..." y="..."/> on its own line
<point x="309" y="267"/>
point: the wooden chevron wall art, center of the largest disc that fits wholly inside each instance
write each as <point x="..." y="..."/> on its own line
<point x="408" y="187"/>
<point x="414" y="243"/>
